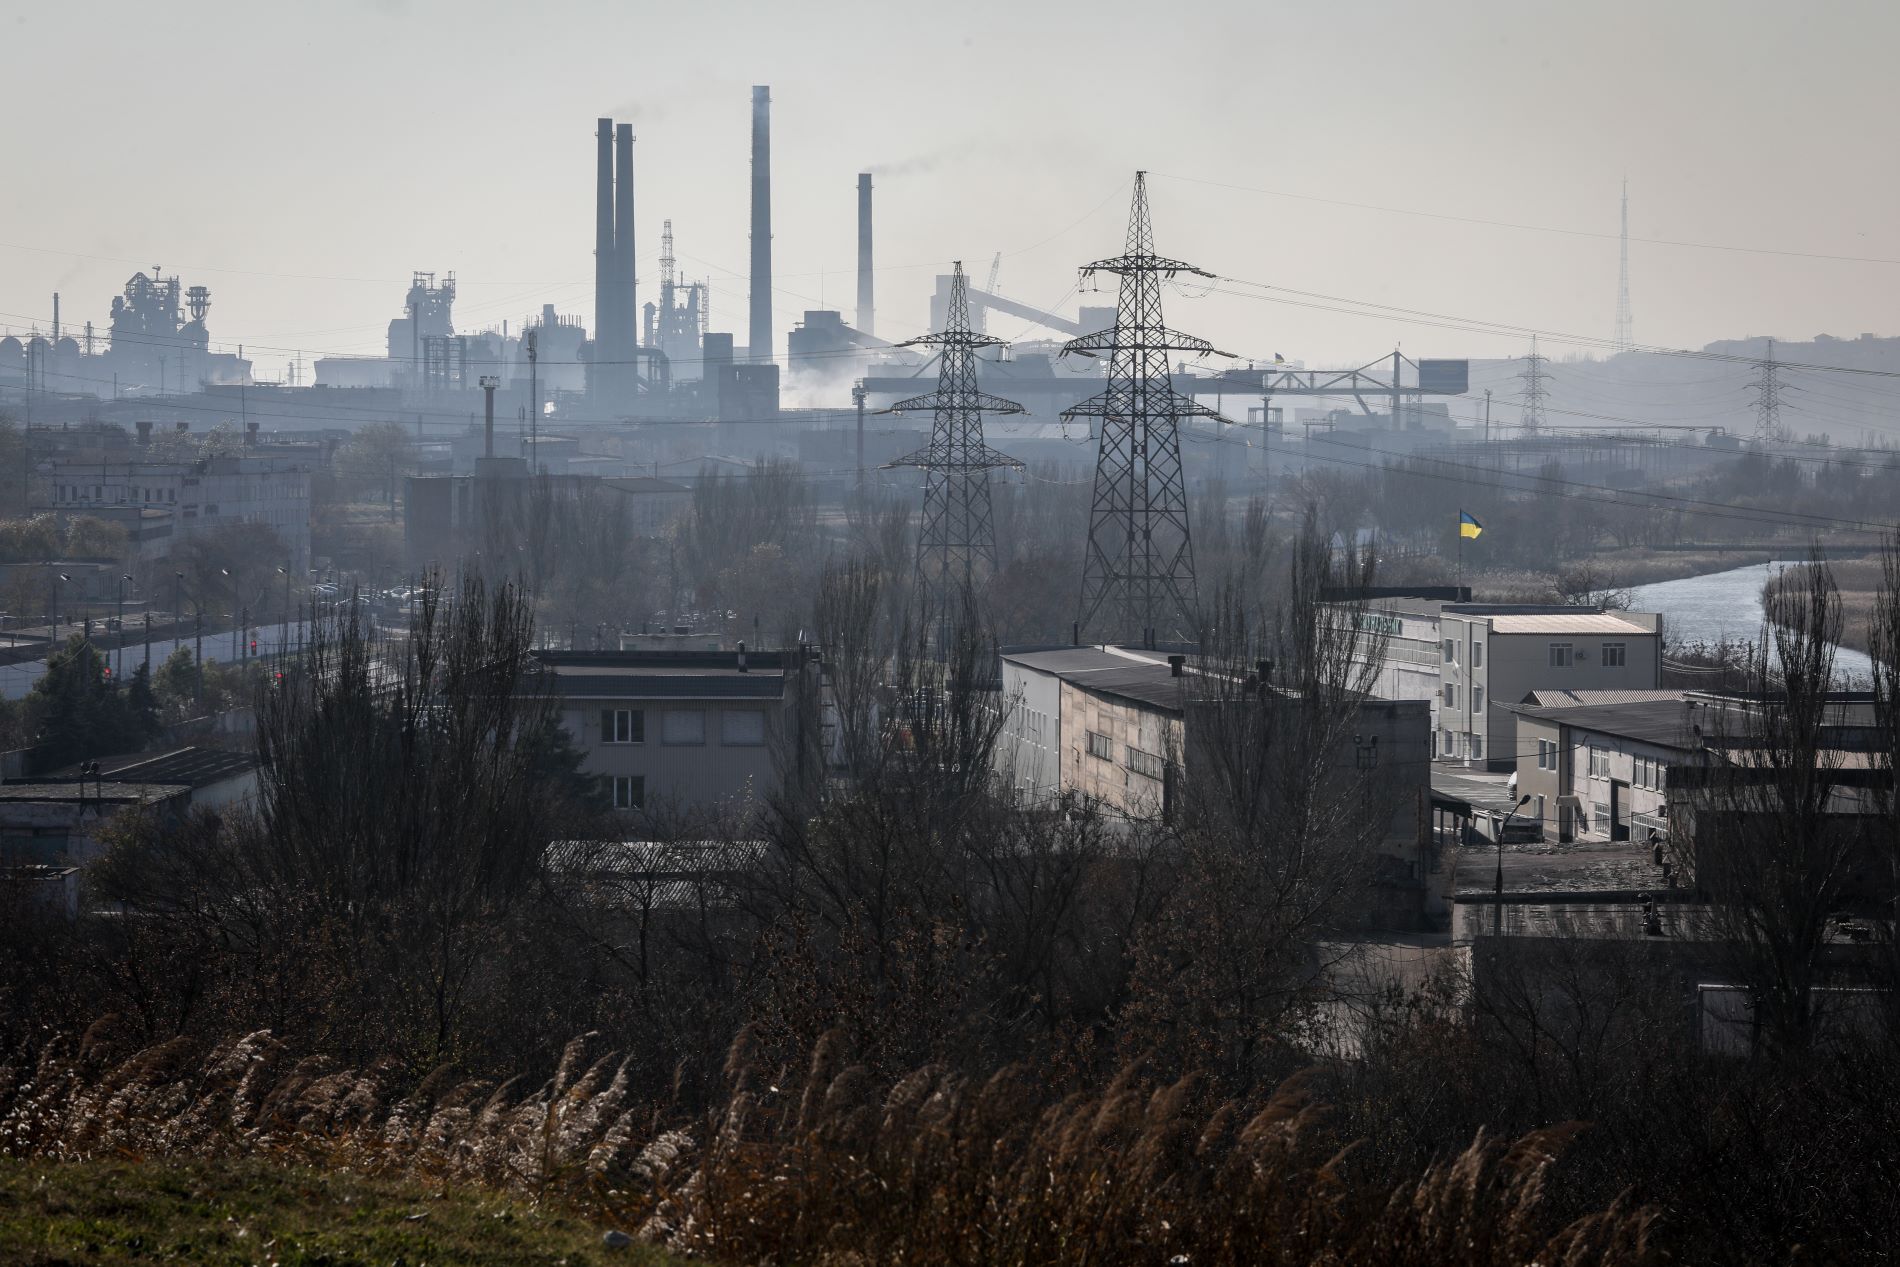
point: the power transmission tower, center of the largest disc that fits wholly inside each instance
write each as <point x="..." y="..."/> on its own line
<point x="1138" y="574"/>
<point x="1536" y="392"/>
<point x="1767" y="388"/>
<point x="957" y="541"/>
<point x="1625" y="338"/>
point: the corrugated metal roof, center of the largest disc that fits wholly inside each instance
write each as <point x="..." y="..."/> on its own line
<point x="1581" y="623"/>
<point x="1560" y="698"/>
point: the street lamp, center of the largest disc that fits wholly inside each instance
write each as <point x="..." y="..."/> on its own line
<point x="1497" y="922"/>
<point x="52" y="643"/>
<point x="283" y="638"/>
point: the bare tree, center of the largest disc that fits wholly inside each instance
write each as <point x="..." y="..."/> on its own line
<point x="1278" y="826"/>
<point x="1779" y="830"/>
<point x="406" y="801"/>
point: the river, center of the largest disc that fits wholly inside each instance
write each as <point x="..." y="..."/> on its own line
<point x="1727" y="604"/>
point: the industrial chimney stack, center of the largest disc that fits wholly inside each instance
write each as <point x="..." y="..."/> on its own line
<point x="866" y="309"/>
<point x="604" y="297"/>
<point x="759" y="338"/>
<point x="627" y="313"/>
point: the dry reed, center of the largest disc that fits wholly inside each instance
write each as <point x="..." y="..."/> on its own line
<point x="832" y="1166"/>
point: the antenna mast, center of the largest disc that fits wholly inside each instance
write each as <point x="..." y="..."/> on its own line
<point x="1625" y="339"/>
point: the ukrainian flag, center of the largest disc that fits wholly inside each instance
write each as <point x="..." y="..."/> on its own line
<point x="1468" y="526"/>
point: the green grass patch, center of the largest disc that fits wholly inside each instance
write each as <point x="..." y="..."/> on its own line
<point x="52" y="1214"/>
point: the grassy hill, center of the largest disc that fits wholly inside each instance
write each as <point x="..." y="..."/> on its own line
<point x="54" y="1214"/>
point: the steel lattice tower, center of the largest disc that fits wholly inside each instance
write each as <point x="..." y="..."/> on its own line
<point x="1767" y="388"/>
<point x="1625" y="336"/>
<point x="1138" y="576"/>
<point x="957" y="542"/>
<point x="1535" y="394"/>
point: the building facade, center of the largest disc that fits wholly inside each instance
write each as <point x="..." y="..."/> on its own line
<point x="686" y="735"/>
<point x="1471" y="662"/>
<point x="164" y="503"/>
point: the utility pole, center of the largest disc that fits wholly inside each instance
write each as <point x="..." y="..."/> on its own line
<point x="1535" y="392"/>
<point x="1139" y="568"/>
<point x="1487" y="415"/>
<point x="119" y="671"/>
<point x="956" y="537"/>
<point x="1767" y="388"/>
<point x="534" y="406"/>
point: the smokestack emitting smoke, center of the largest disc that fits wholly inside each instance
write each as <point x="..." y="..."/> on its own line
<point x="627" y="314"/>
<point x="604" y="299"/>
<point x="759" y="337"/>
<point x="866" y="310"/>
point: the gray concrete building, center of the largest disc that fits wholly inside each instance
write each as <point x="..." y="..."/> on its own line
<point x="162" y="504"/>
<point x="686" y="735"/>
<point x="1472" y="661"/>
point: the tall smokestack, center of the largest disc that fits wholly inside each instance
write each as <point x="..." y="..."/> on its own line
<point x="604" y="298"/>
<point x="866" y="310"/>
<point x="626" y="314"/>
<point x="759" y="337"/>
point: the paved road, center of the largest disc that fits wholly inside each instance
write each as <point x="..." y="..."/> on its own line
<point x="16" y="680"/>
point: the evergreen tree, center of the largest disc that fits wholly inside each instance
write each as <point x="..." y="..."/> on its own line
<point x="76" y="713"/>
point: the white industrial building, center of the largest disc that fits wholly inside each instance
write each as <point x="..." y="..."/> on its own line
<point x="1472" y="661"/>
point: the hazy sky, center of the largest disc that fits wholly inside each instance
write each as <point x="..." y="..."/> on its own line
<point x="301" y="160"/>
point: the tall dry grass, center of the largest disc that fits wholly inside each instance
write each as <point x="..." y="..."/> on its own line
<point x="832" y="1166"/>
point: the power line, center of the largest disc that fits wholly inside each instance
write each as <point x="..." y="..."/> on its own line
<point x="1533" y="228"/>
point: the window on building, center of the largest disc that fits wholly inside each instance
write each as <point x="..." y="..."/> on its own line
<point x="630" y="791"/>
<point x="1538" y="805"/>
<point x="742" y="728"/>
<point x="1146" y="764"/>
<point x="1451" y="695"/>
<point x="1477" y="699"/>
<point x="1451" y="651"/>
<point x="623" y="725"/>
<point x="1561" y="654"/>
<point x="1477" y="747"/>
<point x="1615" y="654"/>
<point x="1444" y="742"/>
<point x="1599" y="762"/>
<point x="1659" y="777"/>
<point x="1100" y="746"/>
<point x="683" y="726"/>
<point x="1477" y="655"/>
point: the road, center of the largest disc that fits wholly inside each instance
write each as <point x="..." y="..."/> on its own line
<point x="16" y="680"/>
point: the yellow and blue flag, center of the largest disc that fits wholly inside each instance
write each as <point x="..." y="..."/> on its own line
<point x="1468" y="526"/>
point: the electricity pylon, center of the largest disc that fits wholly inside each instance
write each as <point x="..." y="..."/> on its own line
<point x="956" y="544"/>
<point x="1535" y="394"/>
<point x="1767" y="388"/>
<point x="1138" y="574"/>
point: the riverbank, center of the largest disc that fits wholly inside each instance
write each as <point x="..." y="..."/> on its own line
<point x="1859" y="582"/>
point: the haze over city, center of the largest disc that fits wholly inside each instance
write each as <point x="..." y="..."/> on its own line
<point x="304" y="162"/>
